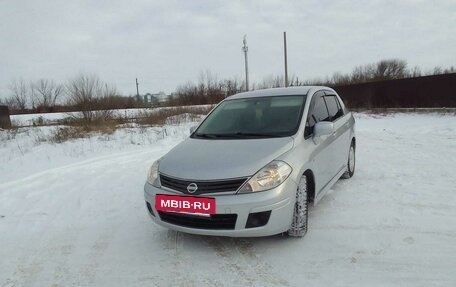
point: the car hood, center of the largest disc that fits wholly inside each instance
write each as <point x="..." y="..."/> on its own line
<point x="202" y="159"/>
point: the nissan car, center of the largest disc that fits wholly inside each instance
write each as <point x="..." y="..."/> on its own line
<point x="255" y="164"/>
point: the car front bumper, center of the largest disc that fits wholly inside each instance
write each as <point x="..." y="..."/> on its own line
<point x="280" y="201"/>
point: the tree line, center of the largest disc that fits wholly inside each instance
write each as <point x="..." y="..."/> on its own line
<point x="81" y="93"/>
<point x="390" y="69"/>
<point x="209" y="89"/>
<point x="89" y="92"/>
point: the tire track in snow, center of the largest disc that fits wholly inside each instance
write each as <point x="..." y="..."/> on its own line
<point x="104" y="160"/>
<point x="244" y="262"/>
<point x="26" y="273"/>
<point x="62" y="270"/>
<point x="174" y="251"/>
<point x="262" y="268"/>
<point x="171" y="263"/>
<point x="181" y="260"/>
<point x="88" y="271"/>
<point x="29" y="267"/>
<point x="383" y="227"/>
<point x="228" y="262"/>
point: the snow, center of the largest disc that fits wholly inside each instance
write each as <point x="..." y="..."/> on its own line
<point x="52" y="118"/>
<point x="73" y="214"/>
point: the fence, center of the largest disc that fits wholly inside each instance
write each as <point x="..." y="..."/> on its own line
<point x="5" y="121"/>
<point x="419" y="92"/>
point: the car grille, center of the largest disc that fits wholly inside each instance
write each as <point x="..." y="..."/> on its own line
<point x="215" y="221"/>
<point x="203" y="186"/>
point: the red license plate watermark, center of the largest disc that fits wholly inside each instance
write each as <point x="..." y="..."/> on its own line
<point x="185" y="204"/>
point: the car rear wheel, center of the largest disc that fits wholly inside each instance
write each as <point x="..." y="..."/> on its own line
<point x="351" y="162"/>
<point x="300" y="217"/>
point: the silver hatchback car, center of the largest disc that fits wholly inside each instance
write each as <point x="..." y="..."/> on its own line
<point x="254" y="164"/>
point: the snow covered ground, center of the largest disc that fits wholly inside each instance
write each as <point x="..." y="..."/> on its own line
<point x="52" y="118"/>
<point x="73" y="214"/>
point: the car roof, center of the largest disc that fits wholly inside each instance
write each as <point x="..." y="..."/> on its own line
<point x="301" y="90"/>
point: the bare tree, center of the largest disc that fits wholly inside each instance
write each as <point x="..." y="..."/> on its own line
<point x="208" y="90"/>
<point x="10" y="102"/>
<point x="271" y="81"/>
<point x="340" y="79"/>
<point x="390" y="69"/>
<point x="19" y="93"/>
<point x="58" y="91"/>
<point x="415" y="72"/>
<point x="449" y="70"/>
<point x="107" y="101"/>
<point x="83" y="89"/>
<point x="362" y="74"/>
<point x="188" y="94"/>
<point x="208" y="85"/>
<point x="32" y="95"/>
<point x="437" y="71"/>
<point x="85" y="92"/>
<point x="293" y="80"/>
<point x="232" y="86"/>
<point x="108" y="91"/>
<point x="47" y="93"/>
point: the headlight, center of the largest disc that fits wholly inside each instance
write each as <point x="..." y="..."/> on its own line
<point x="152" y="176"/>
<point x="270" y="176"/>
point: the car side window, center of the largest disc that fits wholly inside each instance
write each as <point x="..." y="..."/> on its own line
<point x="334" y="107"/>
<point x="318" y="113"/>
<point x="342" y="111"/>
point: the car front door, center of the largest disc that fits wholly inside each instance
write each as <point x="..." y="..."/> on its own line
<point x="321" y="156"/>
<point x="341" y="136"/>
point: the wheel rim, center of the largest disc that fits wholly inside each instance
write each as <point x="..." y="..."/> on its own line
<point x="351" y="159"/>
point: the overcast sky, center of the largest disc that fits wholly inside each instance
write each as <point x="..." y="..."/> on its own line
<point x="167" y="43"/>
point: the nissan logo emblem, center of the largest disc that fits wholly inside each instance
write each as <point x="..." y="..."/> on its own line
<point x="192" y="188"/>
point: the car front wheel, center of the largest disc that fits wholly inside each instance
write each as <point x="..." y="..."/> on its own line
<point x="299" y="224"/>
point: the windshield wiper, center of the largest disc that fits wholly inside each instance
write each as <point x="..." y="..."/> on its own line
<point x="209" y="136"/>
<point x="246" y="134"/>
<point x="259" y="135"/>
<point x="237" y="135"/>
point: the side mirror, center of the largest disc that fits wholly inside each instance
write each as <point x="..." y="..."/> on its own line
<point x="323" y="129"/>
<point x="192" y="129"/>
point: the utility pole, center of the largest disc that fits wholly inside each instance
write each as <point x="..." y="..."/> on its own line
<point x="246" y="49"/>
<point x="137" y="89"/>
<point x="285" y="54"/>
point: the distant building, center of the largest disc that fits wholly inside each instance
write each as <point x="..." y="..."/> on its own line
<point x="155" y="99"/>
<point x="150" y="99"/>
<point x="161" y="97"/>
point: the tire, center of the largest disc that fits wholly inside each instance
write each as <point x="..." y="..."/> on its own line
<point x="300" y="217"/>
<point x="351" y="163"/>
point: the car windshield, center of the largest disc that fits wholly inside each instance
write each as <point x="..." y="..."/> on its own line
<point x="263" y="117"/>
